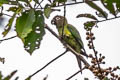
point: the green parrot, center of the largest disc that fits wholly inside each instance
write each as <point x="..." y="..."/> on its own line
<point x="70" y="35"/>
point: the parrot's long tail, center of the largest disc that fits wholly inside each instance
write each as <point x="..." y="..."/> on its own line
<point x="79" y="60"/>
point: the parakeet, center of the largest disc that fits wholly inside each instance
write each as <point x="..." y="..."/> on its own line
<point x="70" y="35"/>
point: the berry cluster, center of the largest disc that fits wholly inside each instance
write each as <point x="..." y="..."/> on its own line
<point x="96" y="61"/>
<point x="100" y="72"/>
<point x="90" y="37"/>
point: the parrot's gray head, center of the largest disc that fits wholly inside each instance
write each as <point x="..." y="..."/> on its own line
<point x="58" y="21"/>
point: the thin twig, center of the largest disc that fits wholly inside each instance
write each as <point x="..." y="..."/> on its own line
<point x="39" y="4"/>
<point x="108" y="19"/>
<point x="8" y="38"/>
<point x="6" y="15"/>
<point x="68" y="4"/>
<point x="93" y="47"/>
<point x="29" y="4"/>
<point x="75" y="73"/>
<point x="48" y="64"/>
<point x="64" y="19"/>
<point x="60" y="5"/>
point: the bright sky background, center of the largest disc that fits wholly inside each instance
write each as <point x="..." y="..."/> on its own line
<point x="16" y="58"/>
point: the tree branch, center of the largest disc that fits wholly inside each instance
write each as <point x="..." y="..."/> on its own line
<point x="39" y="4"/>
<point x="108" y="19"/>
<point x="29" y="4"/>
<point x="68" y="4"/>
<point x="7" y="38"/>
<point x="47" y="64"/>
<point x="64" y="20"/>
<point x="7" y="15"/>
<point x="75" y="73"/>
<point x="95" y="53"/>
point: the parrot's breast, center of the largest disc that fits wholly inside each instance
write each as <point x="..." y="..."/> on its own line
<point x="67" y="32"/>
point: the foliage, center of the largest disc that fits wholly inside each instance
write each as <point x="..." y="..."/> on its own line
<point x="9" y="76"/>
<point x="30" y="26"/>
<point x="2" y="60"/>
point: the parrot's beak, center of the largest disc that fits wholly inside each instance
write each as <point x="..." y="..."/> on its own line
<point x="53" y="22"/>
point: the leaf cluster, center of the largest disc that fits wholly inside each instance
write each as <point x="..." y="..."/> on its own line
<point x="30" y="25"/>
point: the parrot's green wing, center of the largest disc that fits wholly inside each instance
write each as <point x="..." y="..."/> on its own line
<point x="75" y="34"/>
<point x="77" y="37"/>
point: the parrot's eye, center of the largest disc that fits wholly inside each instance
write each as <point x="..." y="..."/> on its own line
<point x="57" y="18"/>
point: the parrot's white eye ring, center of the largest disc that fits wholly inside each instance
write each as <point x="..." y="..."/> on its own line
<point x="57" y="18"/>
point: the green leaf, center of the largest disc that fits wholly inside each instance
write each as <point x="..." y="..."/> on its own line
<point x="4" y="1"/>
<point x="55" y="2"/>
<point x="94" y="6"/>
<point x="118" y="4"/>
<point x="87" y="15"/>
<point x="106" y="78"/>
<point x="13" y="9"/>
<point x="8" y="2"/>
<point x="17" y="10"/>
<point x="33" y="40"/>
<point x="108" y="4"/>
<point x="47" y="11"/>
<point x="2" y="60"/>
<point x="29" y="78"/>
<point x="12" y="2"/>
<point x="1" y="75"/>
<point x="9" y="25"/>
<point x="86" y="79"/>
<point x="10" y="76"/>
<point x="24" y="24"/>
<point x="100" y="15"/>
<point x="0" y="4"/>
<point x="89" y="25"/>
